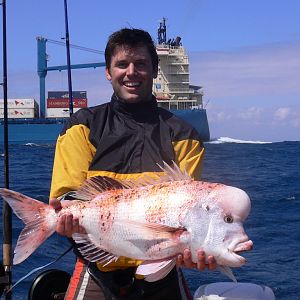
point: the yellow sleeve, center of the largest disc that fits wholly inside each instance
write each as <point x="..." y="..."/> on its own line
<point x="189" y="156"/>
<point x="73" y="155"/>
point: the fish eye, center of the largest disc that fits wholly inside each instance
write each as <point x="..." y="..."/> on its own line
<point x="228" y="219"/>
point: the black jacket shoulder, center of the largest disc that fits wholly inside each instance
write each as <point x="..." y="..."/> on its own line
<point x="180" y="129"/>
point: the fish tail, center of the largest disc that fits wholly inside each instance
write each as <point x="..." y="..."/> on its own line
<point x="39" y="219"/>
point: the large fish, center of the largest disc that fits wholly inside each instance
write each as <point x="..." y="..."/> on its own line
<point x="145" y="220"/>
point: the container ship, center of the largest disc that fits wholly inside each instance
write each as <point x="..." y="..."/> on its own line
<point x="31" y="122"/>
<point x="25" y="124"/>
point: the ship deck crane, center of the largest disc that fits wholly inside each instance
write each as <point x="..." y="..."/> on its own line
<point x="42" y="66"/>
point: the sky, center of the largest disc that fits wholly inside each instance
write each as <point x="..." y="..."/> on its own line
<point x="244" y="53"/>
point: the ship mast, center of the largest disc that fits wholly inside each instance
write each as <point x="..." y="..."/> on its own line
<point x="162" y="32"/>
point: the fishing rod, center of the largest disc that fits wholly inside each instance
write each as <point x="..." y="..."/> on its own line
<point x="6" y="212"/>
<point x="6" y="269"/>
<point x="68" y="59"/>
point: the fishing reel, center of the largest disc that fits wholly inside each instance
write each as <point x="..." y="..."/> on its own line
<point x="49" y="285"/>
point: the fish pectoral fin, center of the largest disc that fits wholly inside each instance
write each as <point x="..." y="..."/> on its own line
<point x="155" y="270"/>
<point x="152" y="231"/>
<point x="228" y="272"/>
<point x="90" y="250"/>
<point x="156" y="245"/>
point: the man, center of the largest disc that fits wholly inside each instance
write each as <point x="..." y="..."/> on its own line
<point x="124" y="139"/>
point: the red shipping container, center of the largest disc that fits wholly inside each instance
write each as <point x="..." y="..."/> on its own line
<point x="64" y="103"/>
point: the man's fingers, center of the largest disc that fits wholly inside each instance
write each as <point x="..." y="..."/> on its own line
<point x="69" y="225"/>
<point x="201" y="265"/>
<point x="66" y="225"/>
<point x="212" y="264"/>
<point x="60" y="226"/>
<point x="179" y="260"/>
<point x="75" y="225"/>
<point x="187" y="259"/>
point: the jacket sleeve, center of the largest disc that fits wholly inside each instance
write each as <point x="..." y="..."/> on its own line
<point x="189" y="156"/>
<point x="73" y="155"/>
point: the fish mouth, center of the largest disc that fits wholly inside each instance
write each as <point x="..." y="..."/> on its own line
<point x="241" y="247"/>
<point x="244" y="246"/>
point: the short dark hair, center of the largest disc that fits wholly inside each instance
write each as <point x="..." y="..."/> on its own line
<point x="132" y="38"/>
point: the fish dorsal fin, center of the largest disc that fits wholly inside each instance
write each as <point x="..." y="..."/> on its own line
<point x="170" y="173"/>
<point x="99" y="184"/>
<point x="173" y="172"/>
<point x="90" y="250"/>
<point x="95" y="185"/>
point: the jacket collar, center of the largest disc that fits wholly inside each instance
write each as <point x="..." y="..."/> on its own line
<point x="141" y="111"/>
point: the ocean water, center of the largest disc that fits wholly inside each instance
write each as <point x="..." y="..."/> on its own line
<point x="268" y="172"/>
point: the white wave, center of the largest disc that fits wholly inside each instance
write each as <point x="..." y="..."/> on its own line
<point x="31" y="144"/>
<point x="2" y="154"/>
<point x="222" y="140"/>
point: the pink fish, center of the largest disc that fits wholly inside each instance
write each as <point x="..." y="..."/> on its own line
<point x="149" y="220"/>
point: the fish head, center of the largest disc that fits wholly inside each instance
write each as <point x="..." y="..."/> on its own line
<point x="216" y="225"/>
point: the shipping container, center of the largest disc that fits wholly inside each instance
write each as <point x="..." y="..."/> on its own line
<point x="19" y="103"/>
<point x="19" y="113"/>
<point x="65" y="94"/>
<point x="59" y="112"/>
<point x="64" y="103"/>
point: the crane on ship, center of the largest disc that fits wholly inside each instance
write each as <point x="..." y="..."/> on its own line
<point x="43" y="68"/>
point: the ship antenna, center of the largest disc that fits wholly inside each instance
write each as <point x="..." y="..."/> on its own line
<point x="162" y="32"/>
<point x="6" y="278"/>
<point x="68" y="59"/>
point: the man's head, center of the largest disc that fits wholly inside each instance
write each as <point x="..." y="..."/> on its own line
<point x="131" y="64"/>
<point x="131" y="38"/>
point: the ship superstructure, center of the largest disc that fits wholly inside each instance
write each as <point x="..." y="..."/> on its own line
<point x="172" y="86"/>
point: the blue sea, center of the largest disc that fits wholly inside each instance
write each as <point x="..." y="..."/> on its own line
<point x="268" y="172"/>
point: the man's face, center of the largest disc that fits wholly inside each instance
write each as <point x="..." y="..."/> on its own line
<point x="131" y="74"/>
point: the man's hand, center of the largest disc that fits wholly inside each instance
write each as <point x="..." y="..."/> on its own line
<point x="66" y="224"/>
<point x="185" y="260"/>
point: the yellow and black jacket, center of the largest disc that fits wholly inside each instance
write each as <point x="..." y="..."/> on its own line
<point x="122" y="141"/>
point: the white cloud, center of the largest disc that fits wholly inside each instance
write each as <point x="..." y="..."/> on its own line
<point x="252" y="113"/>
<point x="289" y="116"/>
<point x="296" y="122"/>
<point x="282" y="113"/>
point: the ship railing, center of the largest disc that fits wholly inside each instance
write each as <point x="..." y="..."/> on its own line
<point x="184" y="90"/>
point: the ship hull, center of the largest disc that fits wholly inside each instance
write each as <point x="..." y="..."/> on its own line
<point x="198" y="119"/>
<point x="47" y="132"/>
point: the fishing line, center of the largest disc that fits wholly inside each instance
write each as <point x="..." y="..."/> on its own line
<point x="40" y="268"/>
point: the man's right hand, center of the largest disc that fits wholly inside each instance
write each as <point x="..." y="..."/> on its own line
<point x="66" y="224"/>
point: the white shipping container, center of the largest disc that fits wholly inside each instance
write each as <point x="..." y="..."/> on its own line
<point x="59" y="112"/>
<point x="19" y="113"/>
<point x="19" y="103"/>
